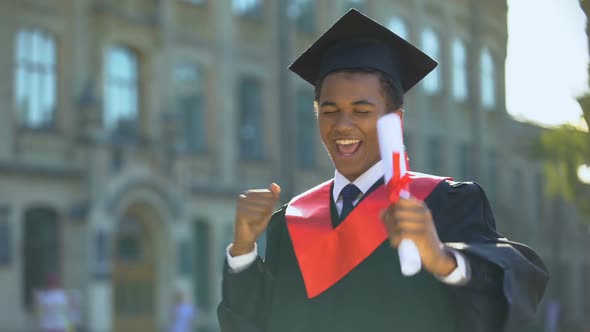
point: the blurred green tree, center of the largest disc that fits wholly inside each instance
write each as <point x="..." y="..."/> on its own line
<point x="564" y="150"/>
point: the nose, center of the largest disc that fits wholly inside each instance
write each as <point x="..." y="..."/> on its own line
<point x="344" y="122"/>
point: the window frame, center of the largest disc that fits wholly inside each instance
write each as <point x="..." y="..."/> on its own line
<point x="113" y="121"/>
<point x="195" y="123"/>
<point x="460" y="84"/>
<point x="489" y="97"/>
<point x="254" y="116"/>
<point x="33" y="72"/>
<point x="432" y="84"/>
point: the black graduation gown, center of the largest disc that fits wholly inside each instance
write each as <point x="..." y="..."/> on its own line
<point x="507" y="281"/>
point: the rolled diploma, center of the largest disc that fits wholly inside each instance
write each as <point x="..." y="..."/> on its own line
<point x="389" y="129"/>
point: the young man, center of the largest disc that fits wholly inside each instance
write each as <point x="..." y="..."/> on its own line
<point x="331" y="261"/>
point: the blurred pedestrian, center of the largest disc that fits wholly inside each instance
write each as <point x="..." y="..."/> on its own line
<point x="52" y="306"/>
<point x="75" y="310"/>
<point x="183" y="313"/>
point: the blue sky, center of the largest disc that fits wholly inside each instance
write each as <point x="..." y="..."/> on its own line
<point x="547" y="60"/>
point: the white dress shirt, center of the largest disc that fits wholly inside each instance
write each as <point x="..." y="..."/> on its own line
<point x="364" y="183"/>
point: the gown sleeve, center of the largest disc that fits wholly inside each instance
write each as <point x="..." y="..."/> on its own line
<point x="245" y="295"/>
<point x="508" y="279"/>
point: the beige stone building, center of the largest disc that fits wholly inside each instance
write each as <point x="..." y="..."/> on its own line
<point x="128" y="127"/>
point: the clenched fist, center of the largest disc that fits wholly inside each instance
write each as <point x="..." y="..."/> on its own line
<point x="411" y="219"/>
<point x="255" y="207"/>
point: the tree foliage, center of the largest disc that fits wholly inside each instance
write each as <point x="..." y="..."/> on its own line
<point x="564" y="149"/>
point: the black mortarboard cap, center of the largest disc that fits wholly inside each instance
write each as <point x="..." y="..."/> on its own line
<point x="356" y="41"/>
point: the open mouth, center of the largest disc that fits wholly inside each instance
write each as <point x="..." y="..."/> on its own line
<point x="347" y="147"/>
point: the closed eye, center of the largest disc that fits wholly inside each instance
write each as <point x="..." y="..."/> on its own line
<point x="330" y="111"/>
<point x="362" y="111"/>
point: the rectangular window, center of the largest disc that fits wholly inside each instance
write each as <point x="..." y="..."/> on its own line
<point x="249" y="8"/>
<point x="185" y="258"/>
<point x="488" y="81"/>
<point x="202" y="266"/>
<point x="302" y="11"/>
<point x="189" y="104"/>
<point x="459" y="70"/>
<point x="431" y="46"/>
<point x="121" y="91"/>
<point x="35" y="83"/>
<point x="250" y="119"/>
<point x="306" y="130"/>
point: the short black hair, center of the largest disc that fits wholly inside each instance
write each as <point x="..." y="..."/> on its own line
<point x="392" y="89"/>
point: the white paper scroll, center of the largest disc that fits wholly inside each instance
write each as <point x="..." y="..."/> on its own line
<point x="389" y="129"/>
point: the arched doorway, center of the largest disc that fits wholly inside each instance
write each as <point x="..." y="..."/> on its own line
<point x="134" y="272"/>
<point x="41" y="250"/>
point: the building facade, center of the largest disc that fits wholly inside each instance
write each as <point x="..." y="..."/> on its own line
<point x="128" y="128"/>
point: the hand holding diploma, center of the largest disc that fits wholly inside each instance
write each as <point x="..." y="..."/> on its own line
<point x="408" y="221"/>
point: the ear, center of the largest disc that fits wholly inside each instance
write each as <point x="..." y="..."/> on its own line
<point x="400" y="113"/>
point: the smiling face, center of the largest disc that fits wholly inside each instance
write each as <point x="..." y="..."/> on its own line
<point x="349" y="105"/>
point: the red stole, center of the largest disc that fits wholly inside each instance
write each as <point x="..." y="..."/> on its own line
<point x="325" y="255"/>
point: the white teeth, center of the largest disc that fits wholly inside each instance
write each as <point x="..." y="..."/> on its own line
<point x="347" y="141"/>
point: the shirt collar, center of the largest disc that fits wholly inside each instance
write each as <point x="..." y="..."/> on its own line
<point x="363" y="182"/>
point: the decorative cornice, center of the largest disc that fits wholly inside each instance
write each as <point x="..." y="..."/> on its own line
<point x="40" y="170"/>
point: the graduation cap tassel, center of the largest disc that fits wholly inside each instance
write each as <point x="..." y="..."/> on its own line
<point x="391" y="144"/>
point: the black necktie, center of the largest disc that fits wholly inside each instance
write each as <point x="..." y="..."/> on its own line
<point x="349" y="193"/>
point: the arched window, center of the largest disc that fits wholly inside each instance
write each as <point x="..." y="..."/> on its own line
<point x="399" y="27"/>
<point x="431" y="46"/>
<point x="459" y="53"/>
<point x="35" y="78"/>
<point x="41" y="250"/>
<point x="250" y="107"/>
<point x="190" y="106"/>
<point x="121" y="97"/>
<point x="488" y="81"/>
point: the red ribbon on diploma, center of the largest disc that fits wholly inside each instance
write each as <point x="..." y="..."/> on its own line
<point x="398" y="182"/>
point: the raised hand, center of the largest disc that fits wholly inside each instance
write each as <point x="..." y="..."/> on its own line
<point x="253" y="213"/>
